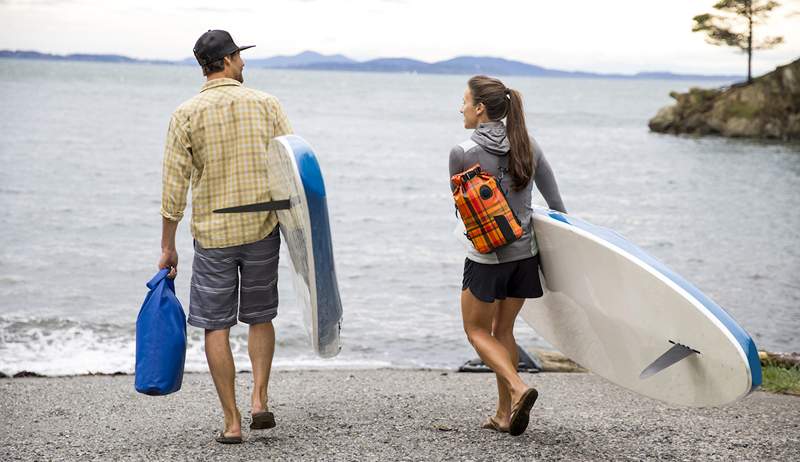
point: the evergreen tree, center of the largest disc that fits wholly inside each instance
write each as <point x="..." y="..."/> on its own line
<point x="734" y="26"/>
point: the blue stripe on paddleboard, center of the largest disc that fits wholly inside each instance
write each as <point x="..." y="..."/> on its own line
<point x="741" y="336"/>
<point x="329" y="305"/>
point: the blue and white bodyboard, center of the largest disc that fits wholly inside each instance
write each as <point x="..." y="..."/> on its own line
<point x="294" y="174"/>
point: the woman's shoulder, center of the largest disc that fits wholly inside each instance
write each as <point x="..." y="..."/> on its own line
<point x="535" y="149"/>
<point x="463" y="147"/>
<point x="458" y="155"/>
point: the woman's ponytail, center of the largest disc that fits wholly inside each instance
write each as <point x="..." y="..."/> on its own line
<point x="520" y="163"/>
<point x="500" y="102"/>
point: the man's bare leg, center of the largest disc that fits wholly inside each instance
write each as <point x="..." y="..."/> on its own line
<point x="223" y="371"/>
<point x="261" y="347"/>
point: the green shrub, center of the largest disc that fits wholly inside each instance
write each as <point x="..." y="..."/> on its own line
<point x="781" y="380"/>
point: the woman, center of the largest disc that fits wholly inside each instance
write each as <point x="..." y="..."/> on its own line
<point x="495" y="285"/>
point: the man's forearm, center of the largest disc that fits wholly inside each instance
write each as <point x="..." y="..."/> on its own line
<point x="168" y="230"/>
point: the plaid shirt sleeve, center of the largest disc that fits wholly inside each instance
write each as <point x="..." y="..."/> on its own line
<point x="176" y="172"/>
<point x="280" y="121"/>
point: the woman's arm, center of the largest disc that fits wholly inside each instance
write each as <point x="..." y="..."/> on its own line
<point x="545" y="180"/>
<point x="456" y="162"/>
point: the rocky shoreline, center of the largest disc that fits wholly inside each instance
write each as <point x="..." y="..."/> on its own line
<point x="767" y="108"/>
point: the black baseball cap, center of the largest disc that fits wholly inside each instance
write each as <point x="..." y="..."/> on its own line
<point x="215" y="45"/>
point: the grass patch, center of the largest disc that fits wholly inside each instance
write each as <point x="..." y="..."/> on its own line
<point x="781" y="380"/>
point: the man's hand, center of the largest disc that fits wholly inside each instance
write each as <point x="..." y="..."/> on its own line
<point x="169" y="259"/>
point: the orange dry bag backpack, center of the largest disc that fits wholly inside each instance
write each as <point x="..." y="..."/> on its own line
<point x="489" y="221"/>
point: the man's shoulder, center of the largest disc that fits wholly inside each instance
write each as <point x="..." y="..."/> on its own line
<point x="257" y="94"/>
<point x="205" y="99"/>
<point x="190" y="105"/>
<point x="251" y="94"/>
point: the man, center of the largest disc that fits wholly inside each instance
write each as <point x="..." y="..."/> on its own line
<point x="218" y="141"/>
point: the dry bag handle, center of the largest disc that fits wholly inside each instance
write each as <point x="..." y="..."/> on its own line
<point x="152" y="283"/>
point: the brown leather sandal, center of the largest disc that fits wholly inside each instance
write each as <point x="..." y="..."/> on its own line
<point x="520" y="413"/>
<point x="262" y="420"/>
<point x="492" y="424"/>
<point x="221" y="438"/>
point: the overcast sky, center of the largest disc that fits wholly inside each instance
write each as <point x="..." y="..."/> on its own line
<point x="611" y="36"/>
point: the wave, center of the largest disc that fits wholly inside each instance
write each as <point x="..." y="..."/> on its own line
<point x="59" y="347"/>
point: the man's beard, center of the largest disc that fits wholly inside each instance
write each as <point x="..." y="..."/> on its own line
<point x="239" y="77"/>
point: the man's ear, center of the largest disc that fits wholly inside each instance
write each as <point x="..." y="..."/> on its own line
<point x="479" y="108"/>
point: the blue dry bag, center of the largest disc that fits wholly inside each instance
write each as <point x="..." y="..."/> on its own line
<point x="160" y="339"/>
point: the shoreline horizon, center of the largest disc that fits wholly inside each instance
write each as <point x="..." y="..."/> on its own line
<point x="387" y="65"/>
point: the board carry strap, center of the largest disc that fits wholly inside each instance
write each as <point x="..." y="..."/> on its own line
<point x="258" y="207"/>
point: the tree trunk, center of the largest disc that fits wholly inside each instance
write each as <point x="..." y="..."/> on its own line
<point x="749" y="41"/>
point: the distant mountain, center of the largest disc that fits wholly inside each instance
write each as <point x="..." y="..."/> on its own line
<point x="374" y="65"/>
<point x="78" y="57"/>
<point x="664" y="75"/>
<point x="462" y="65"/>
<point x="488" y="65"/>
<point x="469" y="65"/>
<point x="281" y="62"/>
<point x="301" y="59"/>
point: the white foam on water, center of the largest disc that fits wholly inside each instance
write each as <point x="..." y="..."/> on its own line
<point x="55" y="347"/>
<point x="67" y="350"/>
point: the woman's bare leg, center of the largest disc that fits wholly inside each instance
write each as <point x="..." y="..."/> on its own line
<point x="478" y="317"/>
<point x="503" y="330"/>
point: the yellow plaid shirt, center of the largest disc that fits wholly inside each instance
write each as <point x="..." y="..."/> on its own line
<point x="217" y="141"/>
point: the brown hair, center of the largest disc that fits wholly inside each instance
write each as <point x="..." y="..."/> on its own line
<point x="501" y="102"/>
<point x="213" y="66"/>
<point x="216" y="66"/>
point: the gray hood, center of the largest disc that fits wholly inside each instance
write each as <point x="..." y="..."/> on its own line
<point x="491" y="136"/>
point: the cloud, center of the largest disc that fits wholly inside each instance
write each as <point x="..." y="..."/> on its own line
<point x="217" y="10"/>
<point x="36" y="2"/>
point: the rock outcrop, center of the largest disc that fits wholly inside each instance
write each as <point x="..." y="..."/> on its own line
<point x="785" y="360"/>
<point x="768" y="107"/>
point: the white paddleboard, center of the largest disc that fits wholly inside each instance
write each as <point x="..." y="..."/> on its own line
<point x="294" y="174"/>
<point x="614" y="309"/>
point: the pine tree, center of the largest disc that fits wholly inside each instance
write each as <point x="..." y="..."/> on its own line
<point x="734" y="27"/>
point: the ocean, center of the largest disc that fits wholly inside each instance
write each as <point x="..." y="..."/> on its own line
<point x="80" y="166"/>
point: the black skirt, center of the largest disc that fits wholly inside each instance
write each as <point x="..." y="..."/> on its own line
<point x="516" y="279"/>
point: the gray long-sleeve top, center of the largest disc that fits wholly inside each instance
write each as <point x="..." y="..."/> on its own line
<point x="489" y="146"/>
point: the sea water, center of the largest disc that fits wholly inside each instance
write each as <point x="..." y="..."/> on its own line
<point x="80" y="188"/>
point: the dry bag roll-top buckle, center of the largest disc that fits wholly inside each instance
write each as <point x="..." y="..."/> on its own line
<point x="470" y="174"/>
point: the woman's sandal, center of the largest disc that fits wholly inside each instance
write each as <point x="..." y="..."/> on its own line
<point x="491" y="424"/>
<point x="221" y="438"/>
<point x="520" y="413"/>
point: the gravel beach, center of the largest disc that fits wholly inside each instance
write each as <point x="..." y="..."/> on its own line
<point x="386" y="415"/>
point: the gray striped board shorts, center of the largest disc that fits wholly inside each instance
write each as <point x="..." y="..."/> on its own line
<point x="235" y="280"/>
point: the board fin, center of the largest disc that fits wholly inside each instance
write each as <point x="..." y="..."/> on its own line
<point x="676" y="353"/>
